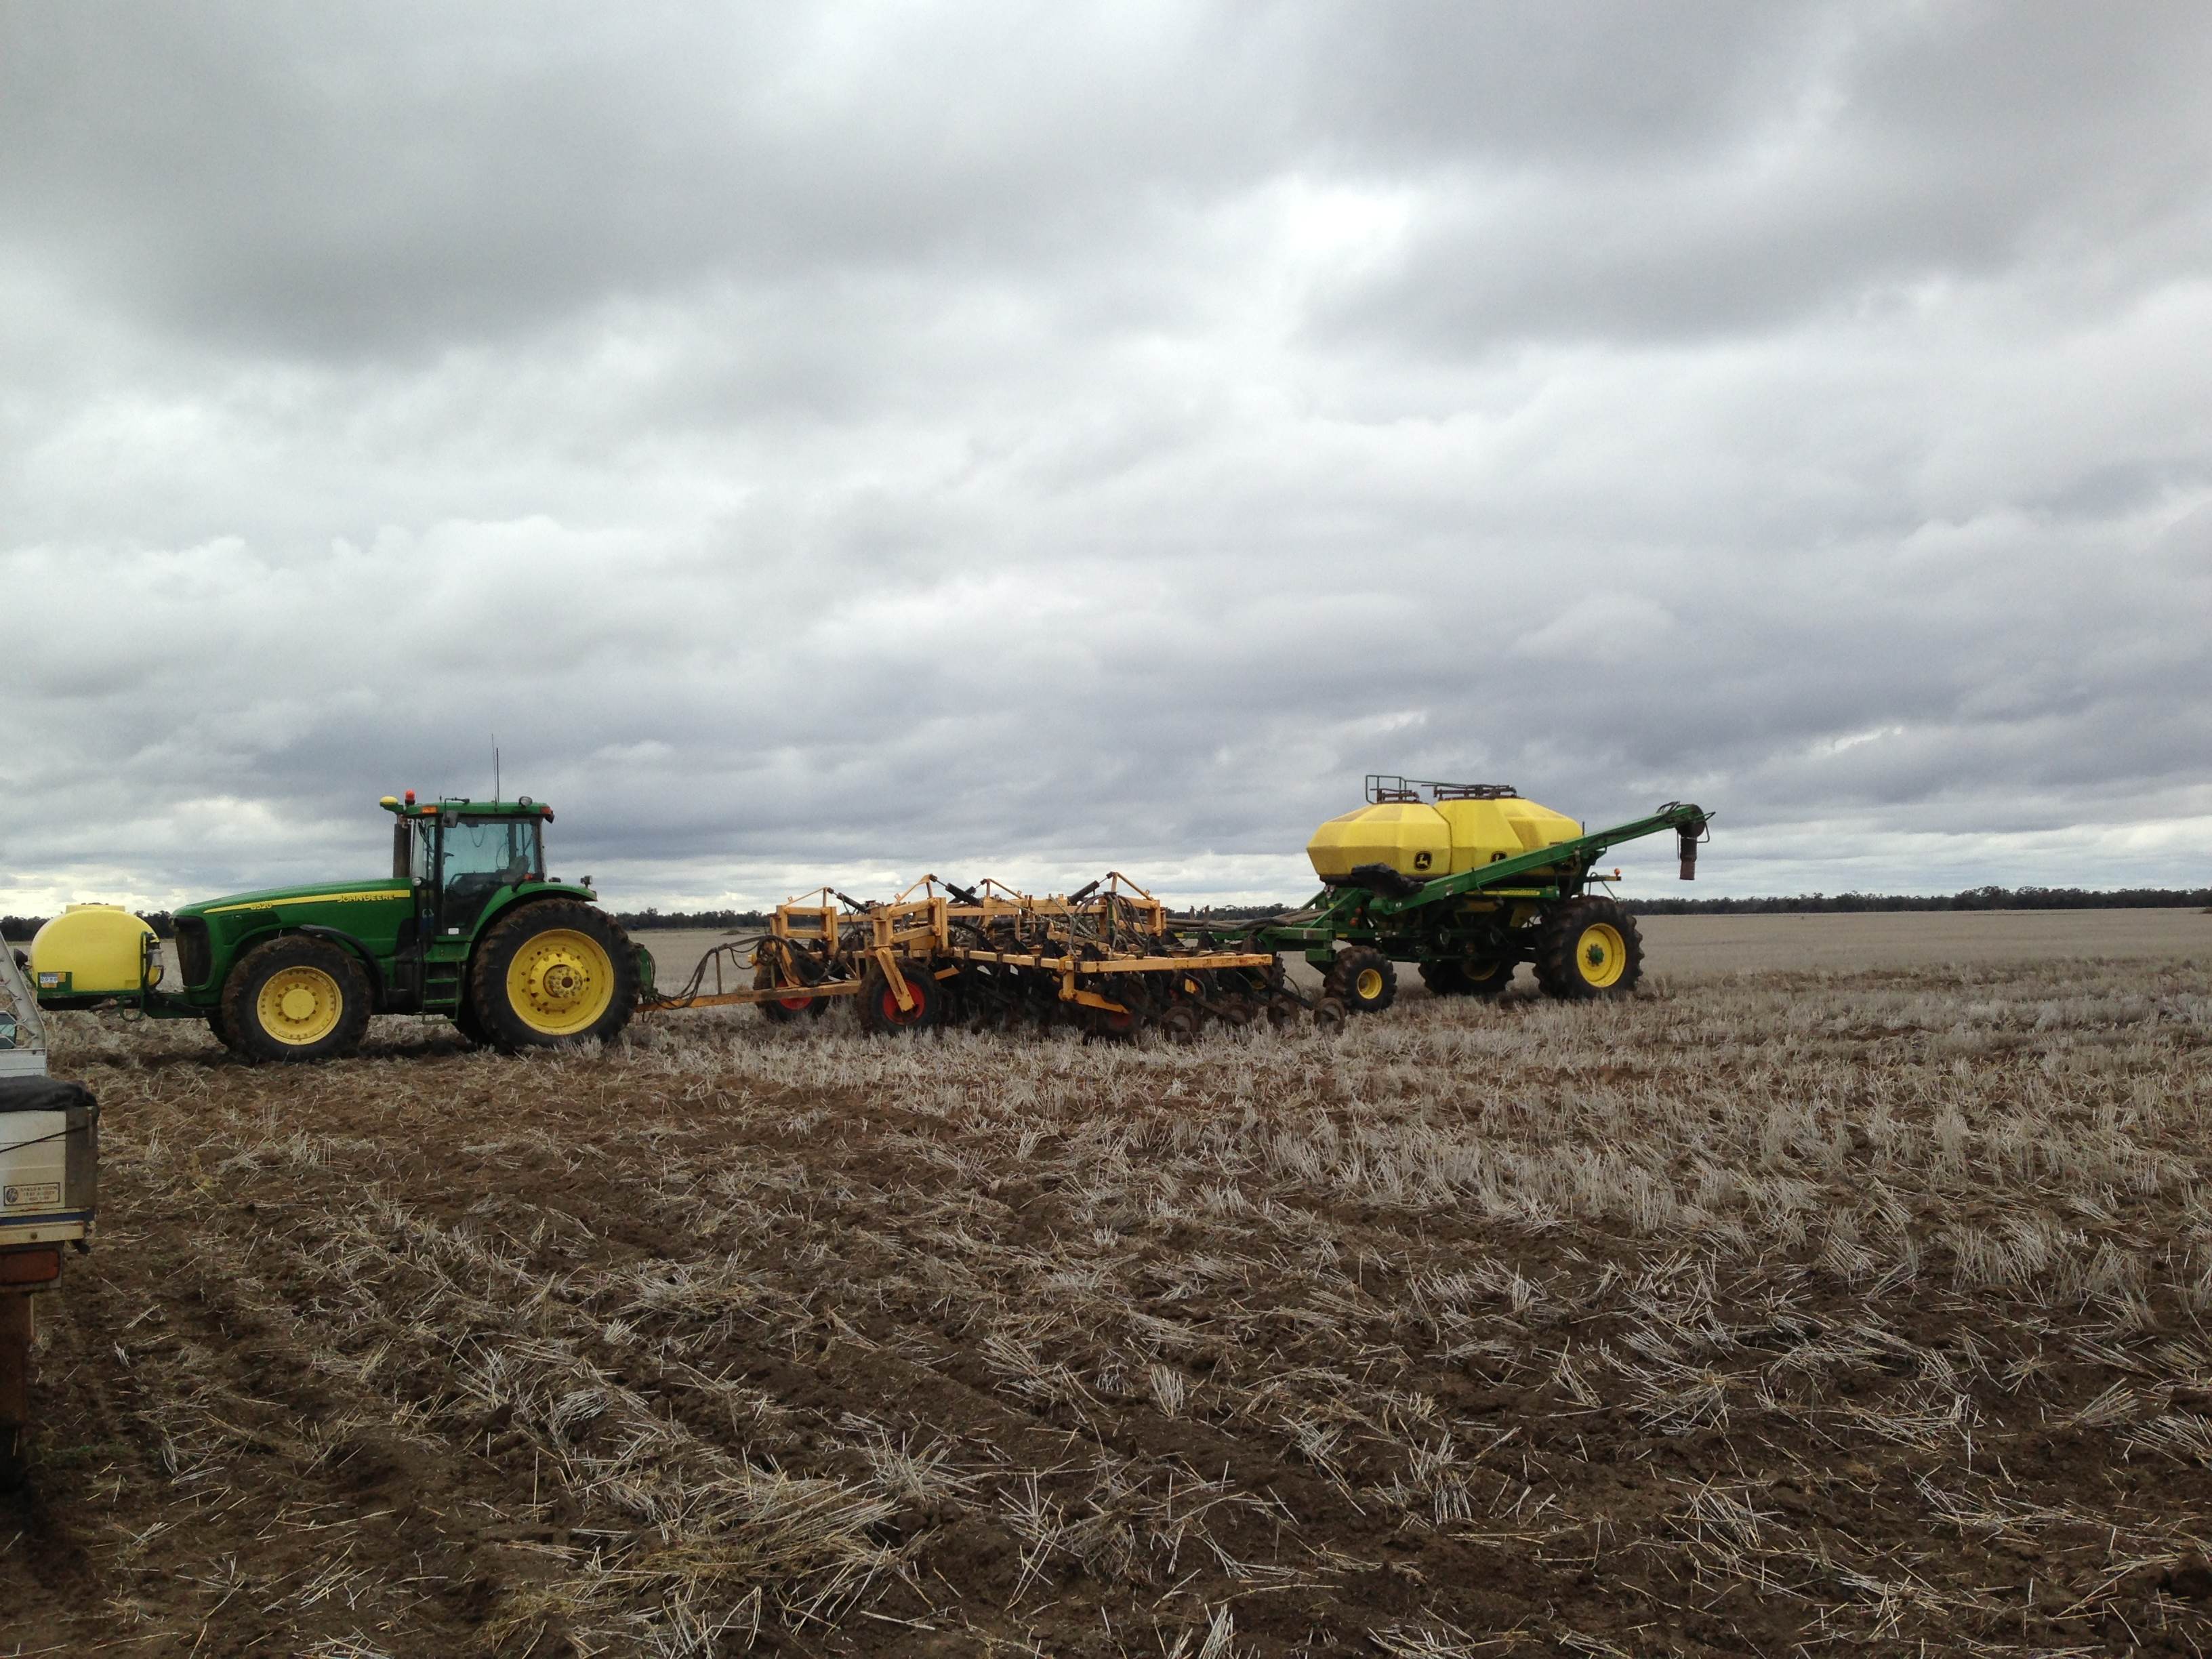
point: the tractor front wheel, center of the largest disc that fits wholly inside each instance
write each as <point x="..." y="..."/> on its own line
<point x="1588" y="948"/>
<point x="221" y="1031"/>
<point x="1363" y="979"/>
<point x="295" y="999"/>
<point x="552" y="974"/>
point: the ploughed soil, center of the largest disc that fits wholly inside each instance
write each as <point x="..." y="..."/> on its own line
<point x="1754" y="1316"/>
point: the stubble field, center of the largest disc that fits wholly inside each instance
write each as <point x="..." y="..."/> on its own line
<point x="1828" y="1295"/>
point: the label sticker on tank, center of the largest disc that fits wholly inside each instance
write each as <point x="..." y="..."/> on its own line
<point x="31" y="1194"/>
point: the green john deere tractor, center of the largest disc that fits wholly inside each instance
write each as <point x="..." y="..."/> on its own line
<point x="467" y="925"/>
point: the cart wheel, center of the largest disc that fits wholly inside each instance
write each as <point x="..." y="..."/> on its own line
<point x="1588" y="948"/>
<point x="1363" y="980"/>
<point x="880" y="1003"/>
<point x="1180" y="1024"/>
<point x="1468" y="979"/>
<point x="1116" y="1027"/>
<point x="781" y="1011"/>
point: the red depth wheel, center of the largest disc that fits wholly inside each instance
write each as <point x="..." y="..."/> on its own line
<point x="879" y="1002"/>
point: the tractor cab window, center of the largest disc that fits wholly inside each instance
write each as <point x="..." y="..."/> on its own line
<point x="476" y="858"/>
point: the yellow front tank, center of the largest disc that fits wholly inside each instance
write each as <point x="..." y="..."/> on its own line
<point x="1416" y="839"/>
<point x="94" y="950"/>
<point x="1409" y="836"/>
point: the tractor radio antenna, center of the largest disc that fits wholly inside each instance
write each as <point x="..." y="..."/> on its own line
<point x="495" y="766"/>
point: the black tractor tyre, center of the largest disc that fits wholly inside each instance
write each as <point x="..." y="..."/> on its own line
<point x="879" y="1009"/>
<point x="1589" y="949"/>
<point x="222" y="1033"/>
<point x="296" y="1000"/>
<point x="471" y="1028"/>
<point x="538" y="974"/>
<point x="1363" y="980"/>
<point x="1468" y="979"/>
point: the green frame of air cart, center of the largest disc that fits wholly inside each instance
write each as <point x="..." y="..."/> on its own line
<point x="417" y="969"/>
<point x="1411" y="928"/>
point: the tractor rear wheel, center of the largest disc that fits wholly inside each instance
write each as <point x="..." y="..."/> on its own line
<point x="1468" y="979"/>
<point x="295" y="999"/>
<point x="553" y="973"/>
<point x="880" y="1003"/>
<point x="471" y="1028"/>
<point x="1587" y="949"/>
<point x="1363" y="980"/>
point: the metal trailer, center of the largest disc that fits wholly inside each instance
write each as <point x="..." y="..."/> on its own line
<point x="49" y="1176"/>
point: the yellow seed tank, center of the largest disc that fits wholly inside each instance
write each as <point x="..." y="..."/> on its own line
<point x="1424" y="841"/>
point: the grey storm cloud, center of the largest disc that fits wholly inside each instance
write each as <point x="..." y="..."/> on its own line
<point x="840" y="442"/>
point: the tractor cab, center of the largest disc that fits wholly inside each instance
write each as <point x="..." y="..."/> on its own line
<point x="458" y="855"/>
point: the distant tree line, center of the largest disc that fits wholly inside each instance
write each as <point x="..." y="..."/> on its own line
<point x="1974" y="898"/>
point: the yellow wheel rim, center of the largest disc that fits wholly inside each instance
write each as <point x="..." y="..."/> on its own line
<point x="1603" y="954"/>
<point x="298" y="1006"/>
<point x="1368" y="982"/>
<point x="559" y="981"/>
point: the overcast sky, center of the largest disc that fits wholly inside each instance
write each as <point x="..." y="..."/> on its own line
<point x="848" y="442"/>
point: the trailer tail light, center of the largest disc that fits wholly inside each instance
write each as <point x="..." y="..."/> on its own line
<point x="29" y="1267"/>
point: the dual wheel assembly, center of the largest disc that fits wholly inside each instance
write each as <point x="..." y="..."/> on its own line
<point x="1586" y="949"/>
<point x="551" y="973"/>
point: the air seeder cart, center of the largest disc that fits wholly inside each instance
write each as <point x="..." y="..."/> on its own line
<point x="1469" y="880"/>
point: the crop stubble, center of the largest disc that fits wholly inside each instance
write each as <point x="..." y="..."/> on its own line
<point x="1857" y="1306"/>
